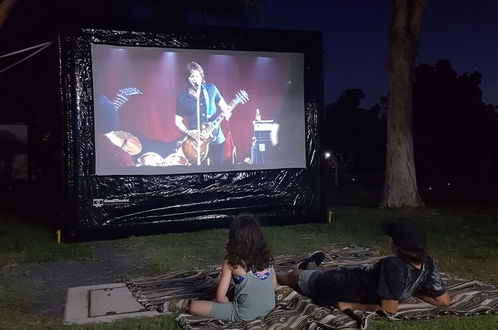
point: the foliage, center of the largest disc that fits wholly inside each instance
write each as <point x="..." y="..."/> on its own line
<point x="351" y="129"/>
<point x="128" y="14"/>
<point x="455" y="131"/>
<point x="455" y="134"/>
<point x="5" y="9"/>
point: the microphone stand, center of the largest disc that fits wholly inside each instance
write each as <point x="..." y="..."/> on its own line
<point x="234" y="147"/>
<point x="234" y="154"/>
<point x="198" y="91"/>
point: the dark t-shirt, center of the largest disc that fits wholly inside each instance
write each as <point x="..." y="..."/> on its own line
<point x="186" y="106"/>
<point x="391" y="278"/>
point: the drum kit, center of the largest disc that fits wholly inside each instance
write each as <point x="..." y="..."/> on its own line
<point x="129" y="143"/>
<point x="126" y="141"/>
<point x="154" y="159"/>
<point x="132" y="145"/>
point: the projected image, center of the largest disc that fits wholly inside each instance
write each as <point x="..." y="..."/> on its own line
<point x="176" y="111"/>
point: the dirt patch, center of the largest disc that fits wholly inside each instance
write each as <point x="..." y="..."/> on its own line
<point x="46" y="284"/>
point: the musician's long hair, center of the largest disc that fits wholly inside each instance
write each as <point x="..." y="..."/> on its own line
<point x="191" y="67"/>
<point x="246" y="245"/>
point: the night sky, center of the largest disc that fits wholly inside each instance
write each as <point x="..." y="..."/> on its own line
<point x="355" y="41"/>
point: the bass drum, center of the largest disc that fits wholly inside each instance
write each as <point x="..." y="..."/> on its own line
<point x="175" y="159"/>
<point x="150" y="159"/>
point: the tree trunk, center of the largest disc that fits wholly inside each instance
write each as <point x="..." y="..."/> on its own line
<point x="400" y="185"/>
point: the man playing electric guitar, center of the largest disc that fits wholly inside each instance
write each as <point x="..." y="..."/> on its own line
<point x="198" y="104"/>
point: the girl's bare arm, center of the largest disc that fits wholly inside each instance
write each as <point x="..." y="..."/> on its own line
<point x="221" y="291"/>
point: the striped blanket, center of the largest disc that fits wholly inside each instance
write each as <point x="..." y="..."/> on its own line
<point x="295" y="311"/>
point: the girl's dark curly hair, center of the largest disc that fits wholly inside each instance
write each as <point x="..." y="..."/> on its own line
<point x="246" y="245"/>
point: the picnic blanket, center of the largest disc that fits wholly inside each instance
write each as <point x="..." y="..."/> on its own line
<point x="295" y="311"/>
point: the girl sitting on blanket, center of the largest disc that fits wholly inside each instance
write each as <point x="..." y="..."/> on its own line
<point x="247" y="265"/>
<point x="391" y="280"/>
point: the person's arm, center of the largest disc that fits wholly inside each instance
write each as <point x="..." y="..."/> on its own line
<point x="183" y="128"/>
<point x="433" y="290"/>
<point x="388" y="306"/>
<point x="221" y="291"/>
<point x="225" y="108"/>
<point x="274" y="278"/>
<point x="179" y="123"/>
<point x="441" y="301"/>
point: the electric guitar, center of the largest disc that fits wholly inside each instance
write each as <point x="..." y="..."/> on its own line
<point x="194" y="151"/>
<point x="121" y="96"/>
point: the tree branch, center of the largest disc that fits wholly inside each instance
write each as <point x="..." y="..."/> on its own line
<point x="5" y="8"/>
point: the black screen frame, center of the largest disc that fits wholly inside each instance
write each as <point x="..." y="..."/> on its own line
<point x="119" y="205"/>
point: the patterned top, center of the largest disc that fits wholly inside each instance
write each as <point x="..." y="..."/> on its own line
<point x="261" y="275"/>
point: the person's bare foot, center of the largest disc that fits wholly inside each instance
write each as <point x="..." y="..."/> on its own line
<point x="311" y="265"/>
<point x="342" y="306"/>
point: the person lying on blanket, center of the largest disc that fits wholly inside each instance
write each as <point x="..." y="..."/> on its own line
<point x="247" y="263"/>
<point x="381" y="287"/>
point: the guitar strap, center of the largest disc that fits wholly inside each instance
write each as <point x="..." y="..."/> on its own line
<point x="206" y="102"/>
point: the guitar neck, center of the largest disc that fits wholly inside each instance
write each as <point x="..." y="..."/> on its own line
<point x="215" y="123"/>
<point x="119" y="101"/>
<point x="121" y="96"/>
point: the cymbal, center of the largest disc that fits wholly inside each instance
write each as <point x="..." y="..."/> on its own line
<point x="128" y="142"/>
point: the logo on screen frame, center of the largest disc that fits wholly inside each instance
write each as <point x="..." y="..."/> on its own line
<point x="100" y="202"/>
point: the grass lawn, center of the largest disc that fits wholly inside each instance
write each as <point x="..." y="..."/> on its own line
<point x="463" y="241"/>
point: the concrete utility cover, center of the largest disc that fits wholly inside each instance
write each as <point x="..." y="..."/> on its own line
<point x="112" y="301"/>
<point x="102" y="303"/>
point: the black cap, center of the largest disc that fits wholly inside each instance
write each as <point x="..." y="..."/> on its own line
<point x="406" y="235"/>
